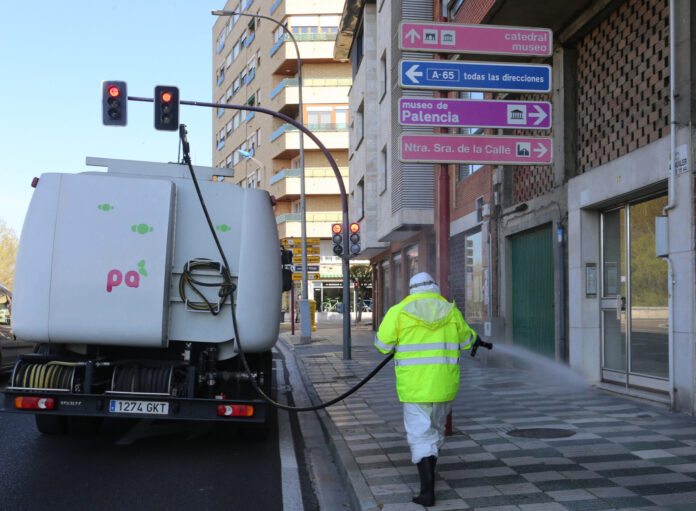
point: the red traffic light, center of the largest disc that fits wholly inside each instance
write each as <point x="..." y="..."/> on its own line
<point x="354" y="227"/>
<point x="336" y="228"/>
<point x="166" y="97"/>
<point x="113" y="91"/>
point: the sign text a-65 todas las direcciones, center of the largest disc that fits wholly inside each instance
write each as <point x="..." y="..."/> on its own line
<point x="476" y="76"/>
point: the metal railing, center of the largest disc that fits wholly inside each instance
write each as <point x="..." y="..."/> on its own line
<point x="311" y="82"/>
<point x="275" y="6"/>
<point x="303" y="37"/>
<point x="311" y="217"/>
<point x="313" y="127"/>
<point x="309" y="172"/>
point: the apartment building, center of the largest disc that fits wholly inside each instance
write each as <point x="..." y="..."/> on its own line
<point x="255" y="63"/>
<point x="590" y="260"/>
<point x="393" y="200"/>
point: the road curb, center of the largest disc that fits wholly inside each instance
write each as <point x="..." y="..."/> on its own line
<point x="358" y="491"/>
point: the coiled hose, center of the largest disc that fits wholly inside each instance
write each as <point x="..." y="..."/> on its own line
<point x="49" y="375"/>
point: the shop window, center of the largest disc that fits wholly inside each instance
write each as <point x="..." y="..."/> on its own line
<point x="398" y="277"/>
<point x="411" y="261"/>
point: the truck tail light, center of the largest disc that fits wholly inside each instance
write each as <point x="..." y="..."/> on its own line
<point x="34" y="403"/>
<point x="235" y="410"/>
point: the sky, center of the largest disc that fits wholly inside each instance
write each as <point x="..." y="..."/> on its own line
<point x="53" y="58"/>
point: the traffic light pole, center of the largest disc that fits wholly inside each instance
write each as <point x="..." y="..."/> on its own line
<point x="341" y="188"/>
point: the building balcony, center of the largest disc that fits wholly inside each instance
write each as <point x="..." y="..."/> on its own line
<point x="285" y="96"/>
<point x="318" y="224"/>
<point x="285" y="141"/>
<point x="313" y="47"/>
<point x="318" y="181"/>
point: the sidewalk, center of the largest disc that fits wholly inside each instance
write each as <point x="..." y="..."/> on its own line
<point x="623" y="454"/>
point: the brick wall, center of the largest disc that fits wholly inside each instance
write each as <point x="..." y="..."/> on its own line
<point x="473" y="11"/>
<point x="469" y="189"/>
<point x="623" y="82"/>
<point x="528" y="181"/>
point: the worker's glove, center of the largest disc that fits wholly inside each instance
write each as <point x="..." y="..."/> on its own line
<point x="480" y="344"/>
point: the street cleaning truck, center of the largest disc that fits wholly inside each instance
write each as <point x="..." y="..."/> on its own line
<point x="134" y="312"/>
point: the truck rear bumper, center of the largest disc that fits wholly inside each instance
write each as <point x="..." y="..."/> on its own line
<point x="139" y="406"/>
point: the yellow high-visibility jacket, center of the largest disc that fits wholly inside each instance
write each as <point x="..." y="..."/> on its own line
<point x="427" y="333"/>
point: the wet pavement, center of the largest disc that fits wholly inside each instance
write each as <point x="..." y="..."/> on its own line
<point x="610" y="451"/>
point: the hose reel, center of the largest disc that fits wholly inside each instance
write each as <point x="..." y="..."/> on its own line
<point x="45" y="375"/>
<point x="142" y="379"/>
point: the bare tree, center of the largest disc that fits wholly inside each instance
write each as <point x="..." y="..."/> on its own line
<point x="8" y="254"/>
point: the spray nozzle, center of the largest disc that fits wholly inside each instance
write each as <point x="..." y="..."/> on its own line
<point x="480" y="344"/>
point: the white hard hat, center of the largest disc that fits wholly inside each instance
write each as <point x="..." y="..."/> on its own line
<point x="422" y="283"/>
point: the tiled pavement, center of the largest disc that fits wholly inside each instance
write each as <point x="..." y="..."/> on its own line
<point x="624" y="454"/>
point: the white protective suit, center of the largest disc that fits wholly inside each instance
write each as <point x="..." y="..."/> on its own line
<point x="425" y="422"/>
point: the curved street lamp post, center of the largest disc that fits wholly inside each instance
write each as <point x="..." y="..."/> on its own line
<point x="304" y="302"/>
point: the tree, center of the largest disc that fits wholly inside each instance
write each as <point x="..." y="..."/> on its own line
<point x="8" y="254"/>
<point x="363" y="274"/>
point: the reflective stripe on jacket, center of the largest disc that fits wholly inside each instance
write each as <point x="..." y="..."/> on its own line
<point x="427" y="333"/>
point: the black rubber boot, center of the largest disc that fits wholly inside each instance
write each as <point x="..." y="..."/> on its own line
<point x="426" y="471"/>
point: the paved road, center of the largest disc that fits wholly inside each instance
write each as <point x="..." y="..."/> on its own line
<point x="154" y="465"/>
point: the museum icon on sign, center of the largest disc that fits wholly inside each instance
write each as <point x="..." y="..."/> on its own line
<point x="524" y="149"/>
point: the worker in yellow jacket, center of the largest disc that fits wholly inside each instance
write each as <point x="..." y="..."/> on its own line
<point x="426" y="332"/>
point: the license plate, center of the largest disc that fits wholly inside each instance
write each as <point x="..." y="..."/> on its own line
<point x="139" y="407"/>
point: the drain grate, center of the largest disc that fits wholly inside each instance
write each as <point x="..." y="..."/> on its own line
<point x="541" y="433"/>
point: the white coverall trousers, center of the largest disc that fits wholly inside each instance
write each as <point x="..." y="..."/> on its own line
<point x="425" y="428"/>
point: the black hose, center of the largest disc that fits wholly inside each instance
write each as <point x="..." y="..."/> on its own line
<point x="226" y="275"/>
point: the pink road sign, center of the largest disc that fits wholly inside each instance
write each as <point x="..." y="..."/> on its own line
<point x="475" y="113"/>
<point x="476" y="149"/>
<point x="486" y="39"/>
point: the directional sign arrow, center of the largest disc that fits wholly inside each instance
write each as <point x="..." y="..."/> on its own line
<point x="539" y="114"/>
<point x="540" y="150"/>
<point x="413" y="35"/>
<point x="412" y="73"/>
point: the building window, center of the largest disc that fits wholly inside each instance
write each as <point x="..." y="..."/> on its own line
<point x="398" y="278"/>
<point x="411" y="261"/>
<point x="319" y="115"/>
<point x="385" y="290"/>
<point x="360" y="199"/>
<point x="383" y="75"/>
<point x="358" y="51"/>
<point x="383" y="170"/>
<point x="359" y="125"/>
<point x="475" y="279"/>
<point x="258" y="137"/>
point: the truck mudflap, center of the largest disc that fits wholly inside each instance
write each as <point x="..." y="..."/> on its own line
<point x="129" y="405"/>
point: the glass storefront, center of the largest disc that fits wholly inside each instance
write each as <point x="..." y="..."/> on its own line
<point x="475" y="281"/>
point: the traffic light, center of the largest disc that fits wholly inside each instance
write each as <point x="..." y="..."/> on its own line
<point x="354" y="238"/>
<point x="166" y="108"/>
<point x="337" y="238"/>
<point x="114" y="102"/>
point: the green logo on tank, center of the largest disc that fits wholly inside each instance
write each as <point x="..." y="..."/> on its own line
<point x="141" y="268"/>
<point x="105" y="207"/>
<point x="142" y="228"/>
<point x="223" y="228"/>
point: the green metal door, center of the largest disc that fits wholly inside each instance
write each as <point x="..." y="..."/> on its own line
<point x="532" y="291"/>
